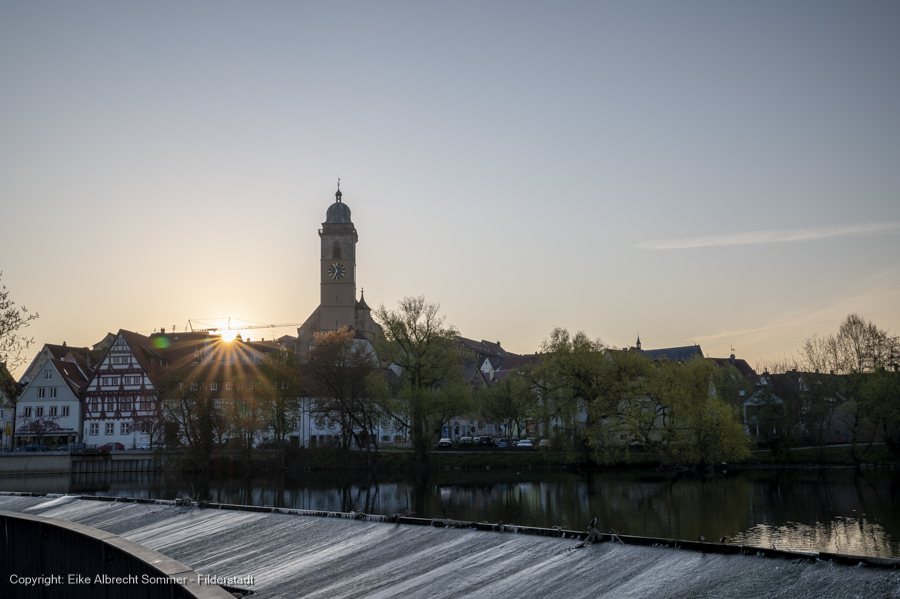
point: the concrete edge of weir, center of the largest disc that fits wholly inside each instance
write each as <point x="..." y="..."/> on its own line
<point x="597" y="536"/>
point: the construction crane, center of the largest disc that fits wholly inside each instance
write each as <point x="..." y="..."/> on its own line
<point x="190" y="326"/>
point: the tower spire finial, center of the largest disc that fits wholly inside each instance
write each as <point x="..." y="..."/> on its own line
<point x="338" y="194"/>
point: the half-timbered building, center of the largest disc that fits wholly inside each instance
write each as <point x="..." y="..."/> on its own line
<point x="121" y="389"/>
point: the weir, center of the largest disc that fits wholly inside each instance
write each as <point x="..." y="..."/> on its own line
<point x="292" y="553"/>
<point x="104" y="463"/>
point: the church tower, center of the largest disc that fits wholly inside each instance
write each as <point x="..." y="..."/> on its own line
<point x="338" y="306"/>
<point x="337" y="303"/>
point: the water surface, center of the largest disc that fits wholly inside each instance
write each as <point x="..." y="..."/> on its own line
<point x="843" y="511"/>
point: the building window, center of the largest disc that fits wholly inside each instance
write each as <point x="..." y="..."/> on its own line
<point x="28" y="412"/>
<point x="39" y="411"/>
<point x="126" y="428"/>
<point x="126" y="404"/>
<point x="95" y="428"/>
<point x="145" y="404"/>
<point x="53" y="410"/>
<point x="336" y="251"/>
<point x="110" y="404"/>
<point x="1" y="412"/>
<point x="48" y="374"/>
<point x="52" y="392"/>
<point x="214" y="386"/>
<point x="65" y="410"/>
<point x="228" y="386"/>
<point x="193" y="386"/>
<point x="110" y="428"/>
<point x="42" y="393"/>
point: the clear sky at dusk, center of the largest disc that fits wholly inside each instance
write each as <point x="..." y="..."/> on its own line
<point x="696" y="172"/>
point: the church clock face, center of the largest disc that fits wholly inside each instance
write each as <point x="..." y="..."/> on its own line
<point x="336" y="271"/>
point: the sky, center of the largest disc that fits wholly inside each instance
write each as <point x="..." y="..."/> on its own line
<point x="718" y="173"/>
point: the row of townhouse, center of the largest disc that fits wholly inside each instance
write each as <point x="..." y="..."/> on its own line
<point x="109" y="393"/>
<point x="97" y="395"/>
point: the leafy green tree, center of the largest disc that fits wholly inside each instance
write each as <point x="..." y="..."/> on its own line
<point x="707" y="430"/>
<point x="430" y="382"/>
<point x="572" y="382"/>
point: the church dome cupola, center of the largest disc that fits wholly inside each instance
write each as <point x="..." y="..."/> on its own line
<point x="338" y="212"/>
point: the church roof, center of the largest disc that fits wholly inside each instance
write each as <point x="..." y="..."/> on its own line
<point x="338" y="212"/>
<point x="673" y="353"/>
<point x="361" y="304"/>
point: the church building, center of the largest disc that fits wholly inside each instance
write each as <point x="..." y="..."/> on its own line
<point x="338" y="306"/>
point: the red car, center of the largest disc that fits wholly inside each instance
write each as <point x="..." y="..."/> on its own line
<point x="109" y="447"/>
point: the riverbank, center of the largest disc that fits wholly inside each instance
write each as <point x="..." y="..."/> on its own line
<point x="319" y="459"/>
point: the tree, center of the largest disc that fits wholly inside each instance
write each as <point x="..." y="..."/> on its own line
<point x="577" y="382"/>
<point x="706" y="429"/>
<point x="245" y="414"/>
<point x="858" y="346"/>
<point x="509" y="402"/>
<point x="337" y="376"/>
<point x="191" y="413"/>
<point x="12" y="321"/>
<point x="415" y="340"/>
<point x="152" y="424"/>
<point x="279" y="392"/>
<point x="40" y="426"/>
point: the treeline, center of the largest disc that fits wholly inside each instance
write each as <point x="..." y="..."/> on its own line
<point x="608" y="403"/>
<point x="413" y="378"/>
<point x="839" y="387"/>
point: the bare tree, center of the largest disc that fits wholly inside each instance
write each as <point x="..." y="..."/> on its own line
<point x="40" y="426"/>
<point x="337" y="376"/>
<point x="12" y="321"/>
<point x="858" y="346"/>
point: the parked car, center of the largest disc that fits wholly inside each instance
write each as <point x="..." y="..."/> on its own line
<point x="544" y="444"/>
<point x="72" y="448"/>
<point x="525" y="443"/>
<point x="485" y="442"/>
<point x="110" y="446"/>
<point x="465" y="442"/>
<point x="33" y="447"/>
<point x="503" y="443"/>
<point x="445" y="442"/>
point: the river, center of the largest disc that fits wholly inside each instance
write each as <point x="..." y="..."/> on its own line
<point x="838" y="510"/>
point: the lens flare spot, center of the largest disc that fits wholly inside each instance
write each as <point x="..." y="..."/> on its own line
<point x="229" y="335"/>
<point x="161" y="343"/>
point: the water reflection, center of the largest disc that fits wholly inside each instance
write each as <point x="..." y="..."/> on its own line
<point x="841" y="511"/>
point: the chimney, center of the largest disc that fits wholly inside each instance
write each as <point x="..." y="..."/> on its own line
<point x="64" y="343"/>
<point x="732" y="359"/>
<point x="162" y="331"/>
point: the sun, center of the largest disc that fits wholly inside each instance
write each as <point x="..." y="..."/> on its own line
<point x="229" y="335"/>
